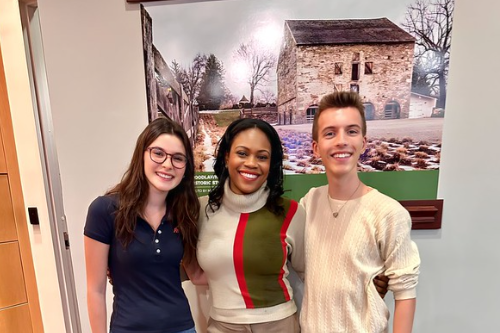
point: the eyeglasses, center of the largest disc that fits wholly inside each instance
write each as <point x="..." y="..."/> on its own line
<point x="159" y="156"/>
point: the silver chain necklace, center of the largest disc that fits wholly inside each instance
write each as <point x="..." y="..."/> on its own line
<point x="335" y="214"/>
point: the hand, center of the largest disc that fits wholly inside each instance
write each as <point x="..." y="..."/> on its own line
<point x="381" y="282"/>
<point x="108" y="274"/>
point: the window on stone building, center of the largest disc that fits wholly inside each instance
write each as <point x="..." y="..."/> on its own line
<point x="355" y="88"/>
<point x="310" y="112"/>
<point x="355" y="56"/>
<point x="368" y="68"/>
<point x="338" y="68"/>
<point x="355" y="72"/>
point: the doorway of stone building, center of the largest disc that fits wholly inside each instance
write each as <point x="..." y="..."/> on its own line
<point x="392" y="110"/>
<point x="39" y="89"/>
<point x="369" y="111"/>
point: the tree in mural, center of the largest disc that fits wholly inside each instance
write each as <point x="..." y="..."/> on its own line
<point x="230" y="100"/>
<point x="267" y="96"/>
<point x="259" y="62"/>
<point x="178" y="71"/>
<point x="190" y="78"/>
<point x="419" y="83"/>
<point x="431" y="22"/>
<point x="212" y="89"/>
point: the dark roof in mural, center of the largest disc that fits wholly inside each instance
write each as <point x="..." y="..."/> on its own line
<point x="361" y="31"/>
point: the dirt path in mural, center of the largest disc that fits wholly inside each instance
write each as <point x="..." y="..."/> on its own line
<point x="208" y="136"/>
<point x="208" y="149"/>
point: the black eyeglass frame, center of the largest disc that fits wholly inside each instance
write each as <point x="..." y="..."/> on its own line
<point x="174" y="162"/>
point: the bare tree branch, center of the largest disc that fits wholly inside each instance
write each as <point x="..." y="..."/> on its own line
<point x="260" y="63"/>
<point x="431" y="23"/>
<point x="267" y="96"/>
<point x="190" y="78"/>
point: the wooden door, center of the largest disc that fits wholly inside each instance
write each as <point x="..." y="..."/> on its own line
<point x="19" y="306"/>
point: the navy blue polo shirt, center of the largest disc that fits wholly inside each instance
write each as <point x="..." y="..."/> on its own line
<point x="148" y="295"/>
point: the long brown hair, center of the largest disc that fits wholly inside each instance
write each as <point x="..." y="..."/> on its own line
<point x="133" y="190"/>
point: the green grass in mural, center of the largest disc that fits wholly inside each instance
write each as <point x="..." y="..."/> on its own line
<point x="225" y="118"/>
<point x="400" y="185"/>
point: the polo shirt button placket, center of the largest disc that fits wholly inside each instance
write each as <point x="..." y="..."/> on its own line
<point x="157" y="241"/>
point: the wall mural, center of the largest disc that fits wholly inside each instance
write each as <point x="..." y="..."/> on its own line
<point x="211" y="62"/>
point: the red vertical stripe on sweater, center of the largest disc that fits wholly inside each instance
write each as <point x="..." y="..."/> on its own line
<point x="238" y="259"/>
<point x="284" y="229"/>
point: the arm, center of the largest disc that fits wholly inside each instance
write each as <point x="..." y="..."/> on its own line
<point x="402" y="263"/>
<point x="297" y="234"/>
<point x="195" y="273"/>
<point x="96" y="260"/>
<point x="404" y="312"/>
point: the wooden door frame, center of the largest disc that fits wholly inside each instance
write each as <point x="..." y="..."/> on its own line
<point x="18" y="206"/>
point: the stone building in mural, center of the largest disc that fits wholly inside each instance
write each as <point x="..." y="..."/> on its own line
<point x="371" y="56"/>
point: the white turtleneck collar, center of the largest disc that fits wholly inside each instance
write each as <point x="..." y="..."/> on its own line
<point x="245" y="203"/>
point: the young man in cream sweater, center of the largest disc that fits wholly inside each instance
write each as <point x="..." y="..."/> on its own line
<point x="353" y="233"/>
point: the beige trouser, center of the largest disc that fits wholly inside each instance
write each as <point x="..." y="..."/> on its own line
<point x="286" y="325"/>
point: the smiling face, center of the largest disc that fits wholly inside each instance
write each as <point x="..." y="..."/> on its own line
<point x="248" y="161"/>
<point x="163" y="177"/>
<point x="340" y="141"/>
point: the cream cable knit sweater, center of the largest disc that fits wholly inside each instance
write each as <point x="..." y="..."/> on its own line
<point x="343" y="255"/>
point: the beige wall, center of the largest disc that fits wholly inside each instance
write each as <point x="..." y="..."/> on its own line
<point x="93" y="54"/>
<point x="30" y="169"/>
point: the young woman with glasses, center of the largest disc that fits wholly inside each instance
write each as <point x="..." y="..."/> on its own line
<point x="141" y="229"/>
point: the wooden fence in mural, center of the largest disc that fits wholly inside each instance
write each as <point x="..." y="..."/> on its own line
<point x="269" y="114"/>
<point x="165" y="94"/>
